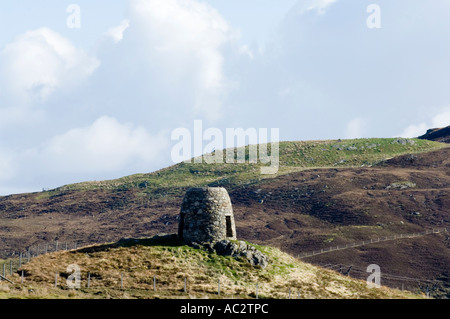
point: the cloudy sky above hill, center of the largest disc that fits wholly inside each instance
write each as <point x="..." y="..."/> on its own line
<point x="91" y="90"/>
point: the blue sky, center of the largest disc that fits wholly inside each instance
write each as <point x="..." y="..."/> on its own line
<point x="100" y="101"/>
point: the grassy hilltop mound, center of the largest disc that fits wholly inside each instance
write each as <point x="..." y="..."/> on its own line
<point x="170" y="262"/>
<point x="293" y="156"/>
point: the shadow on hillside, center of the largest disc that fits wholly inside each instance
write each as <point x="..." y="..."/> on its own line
<point x="171" y="240"/>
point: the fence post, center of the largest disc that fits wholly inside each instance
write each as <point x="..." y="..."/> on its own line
<point x="56" y="246"/>
<point x="46" y="248"/>
<point x="10" y="268"/>
<point x="154" y="283"/>
<point x="185" y="288"/>
<point x="121" y="280"/>
<point x="89" y="280"/>
<point x="56" y="279"/>
<point x="218" y="287"/>
<point x="21" y="278"/>
<point x="20" y="260"/>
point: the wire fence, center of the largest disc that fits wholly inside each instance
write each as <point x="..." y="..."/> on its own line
<point x="12" y="261"/>
<point x="97" y="282"/>
<point x="40" y="249"/>
<point x="418" y="285"/>
<point x="370" y="241"/>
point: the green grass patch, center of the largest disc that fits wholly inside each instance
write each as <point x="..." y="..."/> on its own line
<point x="293" y="156"/>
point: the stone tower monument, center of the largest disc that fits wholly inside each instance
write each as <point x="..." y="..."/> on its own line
<point x="206" y="216"/>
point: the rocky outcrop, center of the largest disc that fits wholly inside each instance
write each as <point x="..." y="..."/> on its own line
<point x="437" y="134"/>
<point x="241" y="250"/>
<point x="403" y="141"/>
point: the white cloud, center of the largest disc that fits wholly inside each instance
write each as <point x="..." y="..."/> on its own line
<point x="245" y="50"/>
<point x="116" y="33"/>
<point x="441" y="119"/>
<point x="321" y="5"/>
<point x="105" y="149"/>
<point x="187" y="37"/>
<point x="315" y="5"/>
<point x="355" y="128"/>
<point x="104" y="146"/>
<point x="39" y="62"/>
<point x="415" y="130"/>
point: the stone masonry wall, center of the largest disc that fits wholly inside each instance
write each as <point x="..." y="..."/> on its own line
<point x="203" y="216"/>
